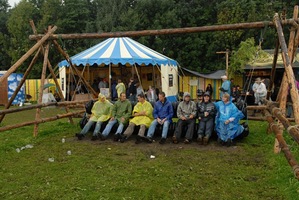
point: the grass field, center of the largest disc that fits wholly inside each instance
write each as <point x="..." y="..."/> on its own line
<point x="112" y="170"/>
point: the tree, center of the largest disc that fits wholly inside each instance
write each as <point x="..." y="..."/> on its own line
<point x="4" y="41"/>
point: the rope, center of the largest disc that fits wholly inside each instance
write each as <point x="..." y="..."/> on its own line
<point x="261" y="39"/>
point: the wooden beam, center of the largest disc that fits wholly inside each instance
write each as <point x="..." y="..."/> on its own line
<point x="27" y="54"/>
<point x="288" y="68"/>
<point x="223" y="27"/>
<point x="41" y="88"/>
<point x="7" y="106"/>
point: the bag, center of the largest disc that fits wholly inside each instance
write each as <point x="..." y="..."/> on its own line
<point x="83" y="121"/>
<point x="88" y="106"/>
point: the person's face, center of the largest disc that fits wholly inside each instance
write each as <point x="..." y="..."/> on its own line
<point x="224" y="99"/>
<point x="140" y="99"/>
<point x="123" y="97"/>
<point x="161" y="98"/>
<point x="187" y="98"/>
<point x="206" y="98"/>
<point x="102" y="99"/>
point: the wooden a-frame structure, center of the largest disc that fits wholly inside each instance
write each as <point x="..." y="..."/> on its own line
<point x="272" y="111"/>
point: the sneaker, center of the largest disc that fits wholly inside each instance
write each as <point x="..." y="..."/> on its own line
<point x="174" y="140"/>
<point x="94" y="137"/>
<point x="199" y="140"/>
<point x="123" y="138"/>
<point x="219" y="141"/>
<point x="116" y="137"/>
<point x="148" y="139"/>
<point x="80" y="136"/>
<point x="138" y="139"/>
<point x="102" y="137"/>
<point x="205" y="140"/>
<point x="162" y="141"/>
<point x="187" y="141"/>
<point x="229" y="142"/>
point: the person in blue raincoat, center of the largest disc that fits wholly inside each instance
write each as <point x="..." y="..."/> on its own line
<point x="227" y="121"/>
<point x="225" y="87"/>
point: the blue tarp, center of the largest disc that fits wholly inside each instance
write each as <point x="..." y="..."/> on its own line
<point x="119" y="50"/>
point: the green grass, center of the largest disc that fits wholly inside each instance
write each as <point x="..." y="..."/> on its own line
<point x="109" y="170"/>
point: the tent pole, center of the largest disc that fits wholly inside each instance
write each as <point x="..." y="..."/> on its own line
<point x="137" y="74"/>
<point x="153" y="79"/>
<point x="110" y="91"/>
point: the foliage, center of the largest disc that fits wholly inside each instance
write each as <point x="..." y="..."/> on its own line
<point x="109" y="170"/>
<point x="194" y="51"/>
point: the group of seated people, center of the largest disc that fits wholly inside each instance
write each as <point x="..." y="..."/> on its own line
<point x="222" y="117"/>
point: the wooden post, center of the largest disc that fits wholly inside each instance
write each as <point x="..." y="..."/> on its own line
<point x="273" y="70"/>
<point x="224" y="27"/>
<point x="52" y="73"/>
<point x="27" y="54"/>
<point x="7" y="106"/>
<point x="288" y="69"/>
<point x="40" y="95"/>
<point x="66" y="56"/>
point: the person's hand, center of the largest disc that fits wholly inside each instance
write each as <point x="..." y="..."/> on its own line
<point x="122" y="119"/>
<point x="112" y="118"/>
<point x="206" y="114"/>
<point x="227" y="122"/>
<point x="191" y="117"/>
<point x="199" y="118"/>
<point x="183" y="118"/>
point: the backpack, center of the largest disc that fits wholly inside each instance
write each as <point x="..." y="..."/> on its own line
<point x="88" y="106"/>
<point x="83" y="121"/>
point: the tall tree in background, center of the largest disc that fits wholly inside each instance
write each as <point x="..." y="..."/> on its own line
<point x="4" y="38"/>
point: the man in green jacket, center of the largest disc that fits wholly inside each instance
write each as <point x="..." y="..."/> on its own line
<point x="121" y="113"/>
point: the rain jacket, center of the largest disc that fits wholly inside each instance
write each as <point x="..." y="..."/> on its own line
<point x="101" y="111"/>
<point x="120" y="87"/>
<point x="163" y="110"/>
<point x="186" y="108"/>
<point x="122" y="109"/>
<point x="230" y="112"/>
<point x="145" y="120"/>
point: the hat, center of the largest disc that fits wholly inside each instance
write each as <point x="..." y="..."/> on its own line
<point x="206" y="94"/>
<point x="199" y="92"/>
<point x="224" y="77"/>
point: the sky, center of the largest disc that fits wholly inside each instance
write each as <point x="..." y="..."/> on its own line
<point x="13" y="2"/>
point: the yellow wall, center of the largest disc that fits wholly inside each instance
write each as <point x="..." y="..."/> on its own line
<point x="187" y="84"/>
<point x="32" y="87"/>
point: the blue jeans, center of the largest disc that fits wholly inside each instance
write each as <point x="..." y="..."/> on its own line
<point x="152" y="128"/>
<point x="109" y="127"/>
<point x="89" y="125"/>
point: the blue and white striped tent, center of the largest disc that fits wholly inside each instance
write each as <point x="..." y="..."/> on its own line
<point x="119" y="50"/>
<point x="126" y="51"/>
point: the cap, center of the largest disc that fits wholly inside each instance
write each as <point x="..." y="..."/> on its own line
<point x="206" y="94"/>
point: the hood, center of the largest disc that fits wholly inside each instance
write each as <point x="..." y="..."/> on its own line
<point x="186" y="94"/>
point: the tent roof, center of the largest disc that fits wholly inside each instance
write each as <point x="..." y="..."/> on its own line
<point x="215" y="75"/>
<point x="119" y="50"/>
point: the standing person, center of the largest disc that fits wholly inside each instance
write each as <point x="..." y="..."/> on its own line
<point x="186" y="113"/>
<point x="163" y="113"/>
<point x="120" y="87"/>
<point x="151" y="94"/>
<point x="114" y="95"/>
<point x="101" y="84"/>
<point x="143" y="116"/>
<point x="206" y="114"/>
<point x="260" y="91"/>
<point x="132" y="90"/>
<point x="209" y="89"/>
<point x="121" y="113"/>
<point x="225" y="87"/>
<point x="227" y="121"/>
<point x="101" y="112"/>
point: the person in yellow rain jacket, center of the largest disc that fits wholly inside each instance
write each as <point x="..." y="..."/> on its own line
<point x="101" y="112"/>
<point x="120" y="87"/>
<point x="143" y="116"/>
